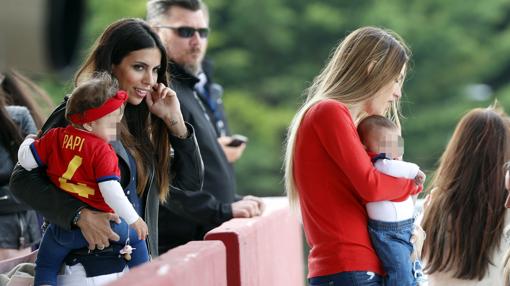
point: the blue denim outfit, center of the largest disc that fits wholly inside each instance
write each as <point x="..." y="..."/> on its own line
<point x="57" y="243"/>
<point x="392" y="242"/>
<point x="354" y="278"/>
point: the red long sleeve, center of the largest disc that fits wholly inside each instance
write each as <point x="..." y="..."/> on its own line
<point x="335" y="178"/>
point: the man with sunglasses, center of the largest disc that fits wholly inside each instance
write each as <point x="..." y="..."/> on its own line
<point x="183" y="26"/>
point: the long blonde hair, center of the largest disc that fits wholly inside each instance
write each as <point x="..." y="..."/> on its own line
<point x="365" y="61"/>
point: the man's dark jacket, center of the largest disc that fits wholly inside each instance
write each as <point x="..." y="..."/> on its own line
<point x="195" y="213"/>
<point x="35" y="188"/>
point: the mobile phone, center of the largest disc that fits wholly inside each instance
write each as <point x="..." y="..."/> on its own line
<point x="237" y="140"/>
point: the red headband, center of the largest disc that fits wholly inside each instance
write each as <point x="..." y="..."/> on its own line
<point x="92" y="114"/>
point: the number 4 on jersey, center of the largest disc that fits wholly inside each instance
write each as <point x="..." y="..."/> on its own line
<point x="81" y="189"/>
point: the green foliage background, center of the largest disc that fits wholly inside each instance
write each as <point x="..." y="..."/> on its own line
<point x="266" y="52"/>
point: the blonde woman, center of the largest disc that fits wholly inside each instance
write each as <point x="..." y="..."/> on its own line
<point x="466" y="216"/>
<point x="327" y="170"/>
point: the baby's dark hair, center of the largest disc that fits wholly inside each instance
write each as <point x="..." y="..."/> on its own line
<point x="368" y="124"/>
<point x="91" y="93"/>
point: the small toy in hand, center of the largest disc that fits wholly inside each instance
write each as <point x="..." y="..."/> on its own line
<point x="126" y="252"/>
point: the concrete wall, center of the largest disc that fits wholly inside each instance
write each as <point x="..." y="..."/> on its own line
<point x="196" y="263"/>
<point x="265" y="251"/>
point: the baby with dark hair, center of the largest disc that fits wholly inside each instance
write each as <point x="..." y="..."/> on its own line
<point x="391" y="223"/>
<point x="80" y="160"/>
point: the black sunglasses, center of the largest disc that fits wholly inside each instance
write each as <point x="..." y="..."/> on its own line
<point x="188" y="32"/>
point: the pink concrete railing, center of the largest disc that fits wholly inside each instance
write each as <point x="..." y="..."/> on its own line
<point x="265" y="250"/>
<point x="196" y="263"/>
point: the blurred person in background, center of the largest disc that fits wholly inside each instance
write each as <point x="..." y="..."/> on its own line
<point x="183" y="26"/>
<point x="465" y="216"/>
<point x="19" y="226"/>
<point x="21" y="91"/>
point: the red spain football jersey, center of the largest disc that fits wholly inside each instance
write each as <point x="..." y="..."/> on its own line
<point x="76" y="162"/>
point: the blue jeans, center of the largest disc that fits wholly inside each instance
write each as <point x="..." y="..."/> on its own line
<point x="354" y="278"/>
<point x="57" y="243"/>
<point x="392" y="242"/>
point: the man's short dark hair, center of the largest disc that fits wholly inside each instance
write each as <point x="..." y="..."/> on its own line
<point x="157" y="8"/>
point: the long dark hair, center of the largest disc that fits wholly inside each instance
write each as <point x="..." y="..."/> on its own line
<point x="10" y="133"/>
<point x="143" y="134"/>
<point x="19" y="90"/>
<point x="465" y="218"/>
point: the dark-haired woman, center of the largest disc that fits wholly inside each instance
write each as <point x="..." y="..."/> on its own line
<point x="18" y="222"/>
<point x="152" y="125"/>
<point x="466" y="216"/>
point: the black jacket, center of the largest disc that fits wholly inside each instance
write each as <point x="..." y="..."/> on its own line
<point x="194" y="213"/>
<point x="35" y="188"/>
<point x="8" y="203"/>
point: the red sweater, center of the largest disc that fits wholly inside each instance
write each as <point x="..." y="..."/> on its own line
<point x="335" y="178"/>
